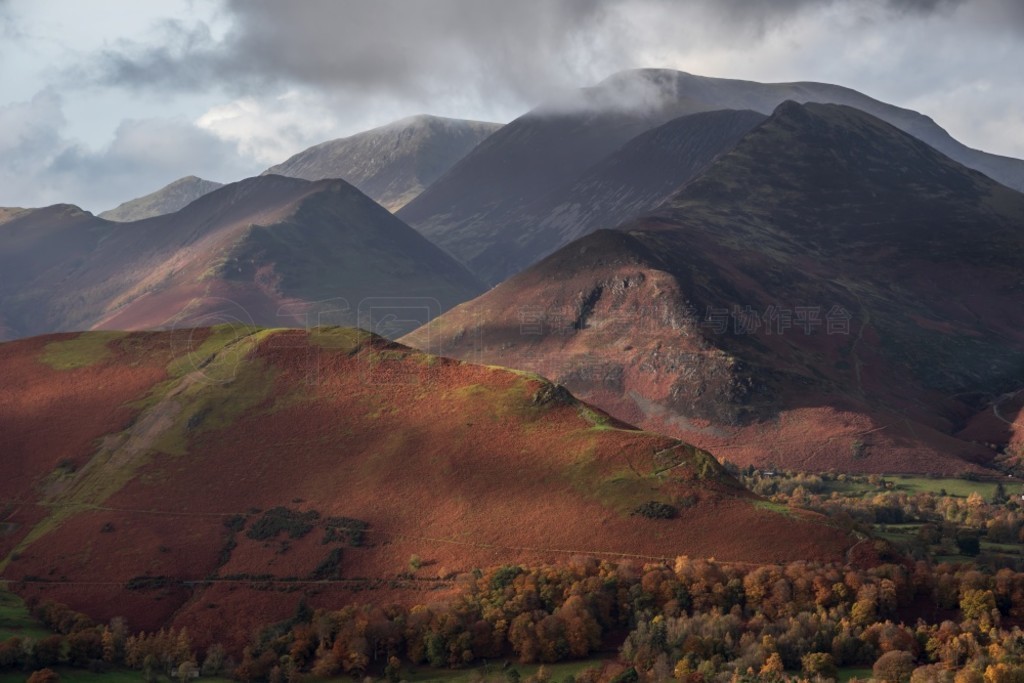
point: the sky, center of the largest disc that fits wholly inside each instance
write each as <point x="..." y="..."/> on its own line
<point x="106" y="100"/>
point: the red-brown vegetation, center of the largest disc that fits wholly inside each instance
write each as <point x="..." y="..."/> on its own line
<point x="463" y="466"/>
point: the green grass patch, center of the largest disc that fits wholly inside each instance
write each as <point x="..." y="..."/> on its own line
<point x="960" y="488"/>
<point x="15" y="621"/>
<point x="526" y="374"/>
<point x="952" y="559"/>
<point x="845" y="674"/>
<point x="240" y="338"/>
<point x="771" y="506"/>
<point x="559" y="671"/>
<point x="596" y="420"/>
<point x="88" y="348"/>
<point x="69" y="675"/>
<point x="520" y="400"/>
<point x="896" y="533"/>
<point x="1006" y="548"/>
<point x="233" y="387"/>
<point x="849" y="488"/>
<point x="623" y="490"/>
<point x="705" y="465"/>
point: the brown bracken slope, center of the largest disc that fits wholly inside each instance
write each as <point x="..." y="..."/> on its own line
<point x="832" y="293"/>
<point x="215" y="476"/>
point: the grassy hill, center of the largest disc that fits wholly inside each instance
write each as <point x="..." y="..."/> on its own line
<point x="215" y="476"/>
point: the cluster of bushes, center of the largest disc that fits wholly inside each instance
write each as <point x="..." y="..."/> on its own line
<point x="329" y="567"/>
<point x="653" y="509"/>
<point x="345" y="530"/>
<point x="278" y="520"/>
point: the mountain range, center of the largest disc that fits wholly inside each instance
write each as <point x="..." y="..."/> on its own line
<point x="530" y="171"/>
<point x="568" y="323"/>
<point x="268" y="251"/>
<point x="830" y="293"/>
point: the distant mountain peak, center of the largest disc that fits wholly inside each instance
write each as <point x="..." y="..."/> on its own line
<point x="392" y="163"/>
<point x="826" y="154"/>
<point x="167" y="199"/>
<point x="429" y="120"/>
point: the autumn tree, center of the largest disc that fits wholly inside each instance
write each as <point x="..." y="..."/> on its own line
<point x="894" y="667"/>
<point x="44" y="676"/>
<point x="819" y="664"/>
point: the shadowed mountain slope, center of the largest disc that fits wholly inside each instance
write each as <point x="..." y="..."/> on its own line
<point x="633" y="180"/>
<point x="480" y="204"/>
<point x="830" y="293"/>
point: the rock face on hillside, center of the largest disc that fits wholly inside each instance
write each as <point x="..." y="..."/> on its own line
<point x="169" y="199"/>
<point x="832" y="292"/>
<point x="200" y="477"/>
<point x="394" y="163"/>
<point x="528" y="172"/>
<point x="268" y="251"/>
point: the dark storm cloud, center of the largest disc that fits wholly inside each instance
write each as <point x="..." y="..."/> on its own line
<point x="514" y="50"/>
<point x="387" y="45"/>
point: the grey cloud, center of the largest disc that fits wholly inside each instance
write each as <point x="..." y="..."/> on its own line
<point x="180" y="55"/>
<point x="29" y="132"/>
<point x="519" y="51"/>
<point x="8" y="27"/>
<point x="493" y="59"/>
<point x="384" y="46"/>
<point x="43" y="167"/>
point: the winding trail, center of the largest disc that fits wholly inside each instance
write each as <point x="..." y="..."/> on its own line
<point x="1003" y="399"/>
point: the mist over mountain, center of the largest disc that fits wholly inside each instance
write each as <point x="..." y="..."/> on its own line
<point x="537" y="159"/>
<point x="633" y="180"/>
<point x="391" y="164"/>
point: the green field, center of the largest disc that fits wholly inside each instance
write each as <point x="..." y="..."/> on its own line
<point x="81" y="351"/>
<point x="954" y="487"/>
<point x="15" y="619"/>
<point x="896" y="532"/>
<point x="80" y="676"/>
<point x="558" y="671"/>
<point x="846" y="673"/>
<point x="117" y="676"/>
<point x="959" y="488"/>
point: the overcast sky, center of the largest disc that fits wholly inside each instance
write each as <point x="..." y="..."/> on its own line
<point x="105" y="100"/>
